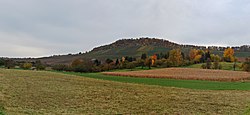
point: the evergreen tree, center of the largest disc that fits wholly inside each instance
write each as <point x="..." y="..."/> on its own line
<point x="144" y="56"/>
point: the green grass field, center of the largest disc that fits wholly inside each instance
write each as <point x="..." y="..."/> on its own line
<point x="225" y="66"/>
<point x="41" y="92"/>
<point x="191" y="84"/>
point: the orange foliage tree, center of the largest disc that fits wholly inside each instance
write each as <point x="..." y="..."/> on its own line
<point x="229" y="55"/>
<point x="192" y="54"/>
<point x="153" y="59"/>
<point x="195" y="55"/>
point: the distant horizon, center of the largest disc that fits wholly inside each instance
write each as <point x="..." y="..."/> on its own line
<point x="121" y="39"/>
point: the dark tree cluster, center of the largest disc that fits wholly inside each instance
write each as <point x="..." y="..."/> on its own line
<point x="246" y="65"/>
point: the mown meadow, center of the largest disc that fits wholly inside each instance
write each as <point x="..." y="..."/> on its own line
<point x="41" y="92"/>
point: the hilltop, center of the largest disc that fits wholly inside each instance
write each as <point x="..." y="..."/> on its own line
<point x="135" y="47"/>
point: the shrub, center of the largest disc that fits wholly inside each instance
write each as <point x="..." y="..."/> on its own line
<point x="208" y="64"/>
<point x="39" y="66"/>
<point x="96" y="69"/>
<point x="203" y="66"/>
<point x="9" y="63"/>
<point x="60" y="67"/>
<point x="187" y="63"/>
<point x="159" y="63"/>
<point x="26" y="66"/>
<point x="217" y="65"/>
<point x="130" y="65"/>
<point x="148" y="62"/>
<point x="140" y="62"/>
<point x="167" y="63"/>
<point x="246" y="65"/>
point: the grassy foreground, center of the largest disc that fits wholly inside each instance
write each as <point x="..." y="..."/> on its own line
<point x="31" y="92"/>
<point x="191" y="84"/>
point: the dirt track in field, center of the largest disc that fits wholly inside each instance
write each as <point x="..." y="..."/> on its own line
<point x="187" y="74"/>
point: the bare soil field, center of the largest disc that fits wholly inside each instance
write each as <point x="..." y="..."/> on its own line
<point x="31" y="92"/>
<point x="187" y="74"/>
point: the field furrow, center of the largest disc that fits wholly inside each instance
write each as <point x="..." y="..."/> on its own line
<point x="187" y="74"/>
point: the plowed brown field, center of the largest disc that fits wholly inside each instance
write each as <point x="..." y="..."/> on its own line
<point x="187" y="74"/>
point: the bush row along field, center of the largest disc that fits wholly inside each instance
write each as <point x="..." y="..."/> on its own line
<point x="32" y="92"/>
<point x="187" y="74"/>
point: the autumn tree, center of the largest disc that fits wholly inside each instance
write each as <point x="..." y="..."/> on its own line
<point x="192" y="54"/>
<point x="79" y="65"/>
<point x="123" y="59"/>
<point x="229" y="55"/>
<point x="153" y="59"/>
<point x="148" y="62"/>
<point x="216" y="61"/>
<point x="76" y="62"/>
<point x="175" y="57"/>
<point x="246" y="65"/>
<point x="215" y="58"/>
<point x="197" y="58"/>
<point x="196" y="55"/>
<point x="26" y="66"/>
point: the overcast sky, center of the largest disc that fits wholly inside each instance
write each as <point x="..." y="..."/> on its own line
<point x="34" y="28"/>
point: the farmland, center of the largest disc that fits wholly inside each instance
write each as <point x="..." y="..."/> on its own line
<point x="31" y="92"/>
<point x="187" y="74"/>
<point x="190" y="84"/>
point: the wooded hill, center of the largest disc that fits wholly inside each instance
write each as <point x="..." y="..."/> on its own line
<point x="134" y="48"/>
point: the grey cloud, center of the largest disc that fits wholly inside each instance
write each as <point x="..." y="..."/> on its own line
<point x="46" y="27"/>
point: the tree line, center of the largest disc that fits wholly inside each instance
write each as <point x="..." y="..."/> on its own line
<point x="173" y="58"/>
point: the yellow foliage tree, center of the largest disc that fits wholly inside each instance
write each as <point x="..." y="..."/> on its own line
<point x="197" y="58"/>
<point x="195" y="55"/>
<point x="229" y="55"/>
<point x="215" y="58"/>
<point x="175" y="57"/>
<point x="27" y="65"/>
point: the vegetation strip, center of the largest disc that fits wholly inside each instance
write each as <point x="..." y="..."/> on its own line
<point x="186" y="74"/>
<point x="191" y="84"/>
